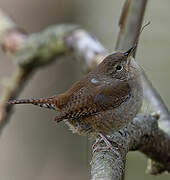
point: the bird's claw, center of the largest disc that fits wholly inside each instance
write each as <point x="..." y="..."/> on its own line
<point x="108" y="146"/>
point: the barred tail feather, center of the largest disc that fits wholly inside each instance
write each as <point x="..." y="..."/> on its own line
<point x="42" y="102"/>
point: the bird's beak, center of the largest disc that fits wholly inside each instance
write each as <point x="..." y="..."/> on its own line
<point x="130" y="51"/>
<point x="128" y="54"/>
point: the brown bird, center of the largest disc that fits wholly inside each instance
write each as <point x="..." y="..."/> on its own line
<point x="105" y="100"/>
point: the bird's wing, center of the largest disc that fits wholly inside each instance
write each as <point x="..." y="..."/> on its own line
<point x="89" y="100"/>
<point x="112" y="95"/>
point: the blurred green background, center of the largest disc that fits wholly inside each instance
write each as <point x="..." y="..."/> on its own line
<point x="32" y="146"/>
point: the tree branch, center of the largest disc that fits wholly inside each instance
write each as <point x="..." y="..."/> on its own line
<point x="127" y="37"/>
<point x="141" y="134"/>
<point x="29" y="52"/>
<point x="155" y="146"/>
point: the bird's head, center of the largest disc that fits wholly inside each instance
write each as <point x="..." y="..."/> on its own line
<point x="120" y="65"/>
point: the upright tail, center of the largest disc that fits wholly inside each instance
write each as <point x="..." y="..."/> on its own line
<point x="42" y="102"/>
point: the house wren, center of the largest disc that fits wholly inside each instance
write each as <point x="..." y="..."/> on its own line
<point x="103" y="101"/>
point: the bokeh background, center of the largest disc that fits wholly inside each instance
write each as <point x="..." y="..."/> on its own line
<point x="32" y="146"/>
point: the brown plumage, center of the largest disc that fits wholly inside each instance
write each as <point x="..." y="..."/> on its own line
<point x="104" y="100"/>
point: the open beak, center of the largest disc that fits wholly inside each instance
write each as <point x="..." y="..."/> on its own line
<point x="128" y="55"/>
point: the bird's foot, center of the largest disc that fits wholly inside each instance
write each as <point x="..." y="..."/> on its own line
<point x="108" y="146"/>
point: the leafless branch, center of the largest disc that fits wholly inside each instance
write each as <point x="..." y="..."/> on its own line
<point x="130" y="25"/>
<point x="141" y="134"/>
<point x="29" y="52"/>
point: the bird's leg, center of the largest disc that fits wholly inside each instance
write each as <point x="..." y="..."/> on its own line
<point x="102" y="138"/>
<point x="107" y="147"/>
<point x="105" y="139"/>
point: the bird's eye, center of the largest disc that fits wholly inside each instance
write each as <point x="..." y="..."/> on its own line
<point x="119" y="68"/>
